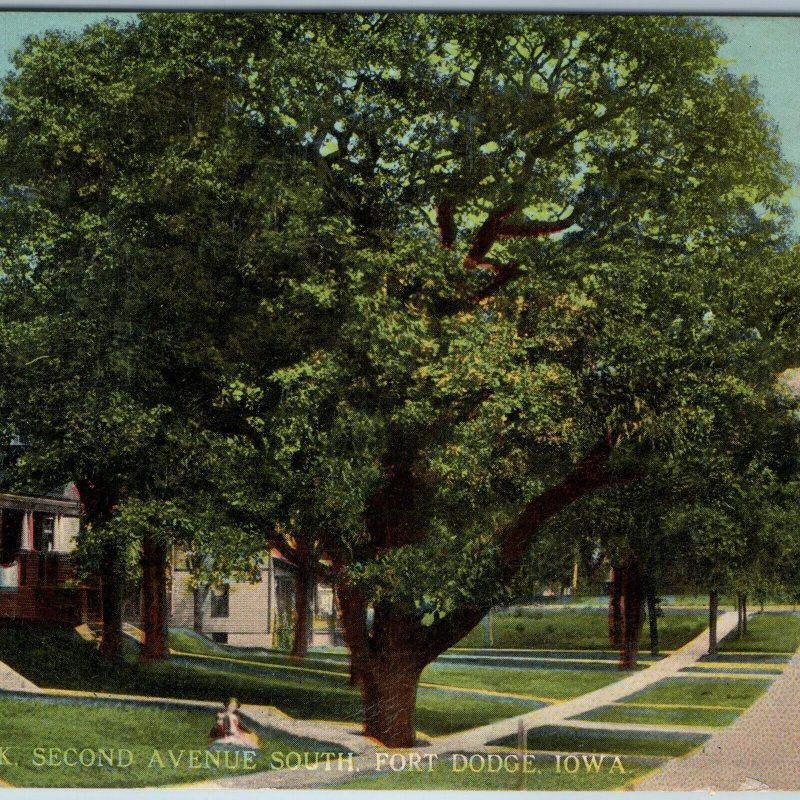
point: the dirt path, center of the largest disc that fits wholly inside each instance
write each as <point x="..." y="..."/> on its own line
<point x="761" y="750"/>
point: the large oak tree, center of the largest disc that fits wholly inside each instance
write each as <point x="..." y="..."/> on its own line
<point x="486" y="294"/>
<point x="484" y="372"/>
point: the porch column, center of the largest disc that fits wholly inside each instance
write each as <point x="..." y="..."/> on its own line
<point x="27" y="530"/>
<point x="57" y="543"/>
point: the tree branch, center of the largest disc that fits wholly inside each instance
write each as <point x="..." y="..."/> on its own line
<point x="484" y="239"/>
<point x="493" y="229"/>
<point x="446" y="223"/>
<point x="535" y="229"/>
<point x="503" y="275"/>
<point x="589" y="475"/>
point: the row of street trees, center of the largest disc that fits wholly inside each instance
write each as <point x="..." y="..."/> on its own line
<point x="398" y="290"/>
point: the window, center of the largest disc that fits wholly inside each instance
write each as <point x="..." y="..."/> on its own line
<point x="219" y="602"/>
<point x="219" y="638"/>
<point x="43" y="531"/>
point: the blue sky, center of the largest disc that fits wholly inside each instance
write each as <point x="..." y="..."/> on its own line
<point x="765" y="48"/>
<point x="768" y="49"/>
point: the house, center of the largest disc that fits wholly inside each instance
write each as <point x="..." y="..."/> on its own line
<point x="38" y="582"/>
<point x="252" y="614"/>
<point x="37" y="578"/>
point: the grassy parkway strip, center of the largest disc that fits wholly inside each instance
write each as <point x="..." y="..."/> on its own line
<point x="263" y="666"/>
<point x="663" y="711"/>
<point x="553" y="715"/>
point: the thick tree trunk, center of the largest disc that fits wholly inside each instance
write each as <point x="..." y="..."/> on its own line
<point x="388" y="656"/>
<point x="713" y="605"/>
<point x="302" y="604"/>
<point x="652" y="615"/>
<point x="154" y="599"/>
<point x="98" y="502"/>
<point x="744" y="614"/>
<point x="353" y="614"/>
<point x="615" y="609"/>
<point x="111" y="584"/>
<point x="389" y="692"/>
<point x="632" y="601"/>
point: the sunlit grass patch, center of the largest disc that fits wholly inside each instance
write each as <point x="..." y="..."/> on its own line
<point x="733" y="670"/>
<point x="58" y="742"/>
<point x="582" y="629"/>
<point x="438" y="713"/>
<point x="556" y="684"/>
<point x="567" y="739"/>
<point x="698" y="692"/>
<point x="770" y="632"/>
<point x="699" y="717"/>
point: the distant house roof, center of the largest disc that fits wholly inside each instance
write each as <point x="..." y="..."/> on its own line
<point x="67" y="492"/>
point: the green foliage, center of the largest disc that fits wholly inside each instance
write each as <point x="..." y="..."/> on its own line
<point x="284" y="631"/>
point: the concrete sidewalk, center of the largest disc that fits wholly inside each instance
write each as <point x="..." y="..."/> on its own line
<point x="477" y="739"/>
<point x="761" y="750"/>
<point x="556" y="714"/>
<point x="11" y="681"/>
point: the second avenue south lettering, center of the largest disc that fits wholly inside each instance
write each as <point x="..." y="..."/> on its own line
<point x="163" y="759"/>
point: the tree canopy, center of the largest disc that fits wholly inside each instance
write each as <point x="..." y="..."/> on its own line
<point x="435" y="278"/>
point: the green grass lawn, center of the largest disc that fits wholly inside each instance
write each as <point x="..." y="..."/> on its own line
<point x="550" y="775"/>
<point x="40" y="731"/>
<point x="185" y="641"/>
<point x="439" y="714"/>
<point x="590" y="740"/>
<point x="190" y="642"/>
<point x="57" y="658"/>
<point x="698" y="692"/>
<point x="558" y="684"/>
<point x="701" y="717"/>
<point x="766" y="633"/>
<point x="578" y="630"/>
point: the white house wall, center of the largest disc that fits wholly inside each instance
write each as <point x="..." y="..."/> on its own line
<point x="66" y="533"/>
<point x="251" y="609"/>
